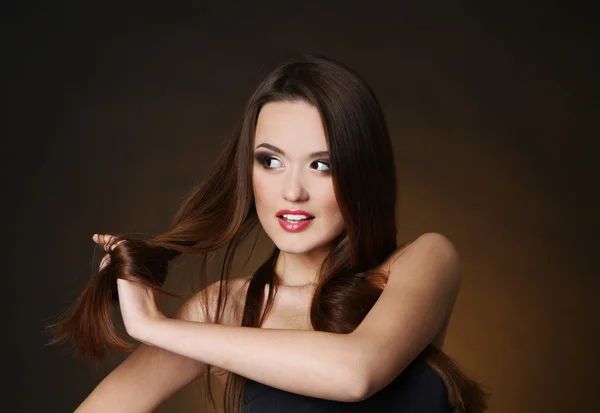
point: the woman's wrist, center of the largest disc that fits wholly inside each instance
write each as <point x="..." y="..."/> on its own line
<point x="145" y="329"/>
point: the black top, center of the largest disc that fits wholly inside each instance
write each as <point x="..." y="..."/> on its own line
<point x="418" y="389"/>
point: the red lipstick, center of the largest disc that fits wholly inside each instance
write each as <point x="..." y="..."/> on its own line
<point x="293" y="212"/>
<point x="294" y="223"/>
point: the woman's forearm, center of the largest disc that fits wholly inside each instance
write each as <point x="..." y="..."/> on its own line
<point x="311" y="363"/>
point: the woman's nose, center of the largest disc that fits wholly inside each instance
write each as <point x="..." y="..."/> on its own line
<point x="293" y="188"/>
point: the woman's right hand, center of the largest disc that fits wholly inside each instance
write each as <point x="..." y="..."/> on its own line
<point x="105" y="241"/>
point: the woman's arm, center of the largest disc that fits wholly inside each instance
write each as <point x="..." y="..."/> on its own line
<point x="149" y="375"/>
<point x="416" y="301"/>
<point x="312" y="363"/>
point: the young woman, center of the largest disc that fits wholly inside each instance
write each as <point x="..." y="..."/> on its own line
<point x="338" y="318"/>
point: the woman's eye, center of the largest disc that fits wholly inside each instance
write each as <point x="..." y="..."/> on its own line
<point x="327" y="166"/>
<point x="269" y="162"/>
<point x="264" y="161"/>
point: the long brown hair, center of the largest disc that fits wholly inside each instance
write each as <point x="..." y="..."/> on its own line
<point x="221" y="213"/>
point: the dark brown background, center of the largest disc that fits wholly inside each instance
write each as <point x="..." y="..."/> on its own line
<point x="114" y="114"/>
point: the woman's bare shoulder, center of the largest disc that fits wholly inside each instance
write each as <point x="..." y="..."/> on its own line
<point x="389" y="261"/>
<point x="233" y="294"/>
<point x="423" y="239"/>
<point x="202" y="306"/>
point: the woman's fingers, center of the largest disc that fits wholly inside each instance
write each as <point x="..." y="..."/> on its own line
<point x="104" y="262"/>
<point x="105" y="240"/>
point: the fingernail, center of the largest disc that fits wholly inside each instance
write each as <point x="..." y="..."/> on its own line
<point x="95" y="237"/>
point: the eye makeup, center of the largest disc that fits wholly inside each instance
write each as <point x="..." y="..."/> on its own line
<point x="262" y="158"/>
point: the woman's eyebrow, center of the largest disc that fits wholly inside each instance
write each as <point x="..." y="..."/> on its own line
<point x="281" y="152"/>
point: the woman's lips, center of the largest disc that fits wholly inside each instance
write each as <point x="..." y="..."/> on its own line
<point x="294" y="226"/>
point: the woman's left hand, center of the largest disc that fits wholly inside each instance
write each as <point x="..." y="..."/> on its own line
<point x="138" y="302"/>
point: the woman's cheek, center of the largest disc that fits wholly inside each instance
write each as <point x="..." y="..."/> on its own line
<point x="259" y="187"/>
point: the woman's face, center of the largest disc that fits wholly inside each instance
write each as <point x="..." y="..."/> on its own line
<point x="291" y="171"/>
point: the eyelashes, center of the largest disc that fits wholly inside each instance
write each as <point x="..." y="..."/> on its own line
<point x="263" y="159"/>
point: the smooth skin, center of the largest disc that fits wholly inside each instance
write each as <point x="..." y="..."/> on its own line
<point x="150" y="375"/>
<point x="420" y="294"/>
<point x="412" y="311"/>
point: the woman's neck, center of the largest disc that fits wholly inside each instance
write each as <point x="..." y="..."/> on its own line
<point x="299" y="270"/>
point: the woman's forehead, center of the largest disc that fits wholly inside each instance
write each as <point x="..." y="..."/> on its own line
<point x="290" y="126"/>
